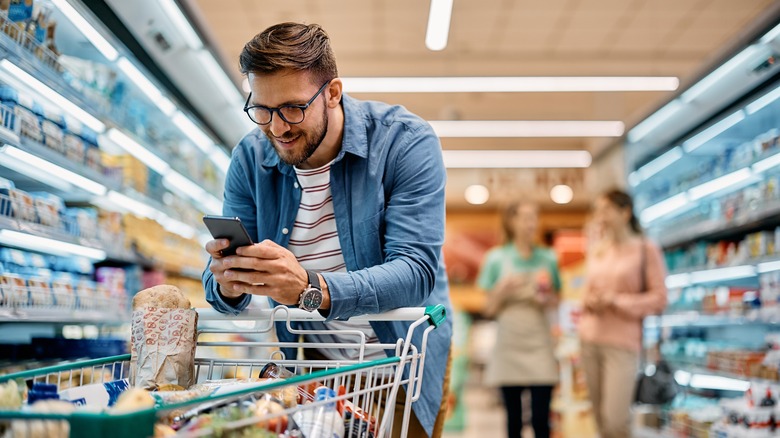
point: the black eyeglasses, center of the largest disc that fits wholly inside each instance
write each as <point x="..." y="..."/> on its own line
<point x="292" y="114"/>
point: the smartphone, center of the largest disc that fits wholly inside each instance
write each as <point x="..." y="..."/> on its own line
<point x="230" y="228"/>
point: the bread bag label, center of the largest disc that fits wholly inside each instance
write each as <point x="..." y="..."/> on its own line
<point x="163" y="347"/>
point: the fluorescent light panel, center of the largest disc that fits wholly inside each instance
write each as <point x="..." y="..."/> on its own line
<point x="706" y="381"/>
<point x="201" y="140"/>
<point x="220" y="159"/>
<point x="660" y="163"/>
<point x="708" y="81"/>
<point x="86" y="29"/>
<point x="678" y="280"/>
<point x="768" y="267"/>
<point x="49" y="246"/>
<point x="220" y="77"/>
<point x="641" y="130"/>
<point x="127" y="203"/>
<point x="55" y="98"/>
<point x="730" y="180"/>
<point x="438" y="24"/>
<point x="473" y="159"/>
<point x="763" y="101"/>
<point x="713" y="131"/>
<point x="769" y="36"/>
<point x="141" y="153"/>
<point x="57" y="171"/>
<point x="33" y="172"/>
<point x="533" y="129"/>
<point x="674" y="204"/>
<point x="154" y="93"/>
<point x="175" y="14"/>
<point x="185" y="187"/>
<point x="504" y="84"/>
<point x="723" y="274"/>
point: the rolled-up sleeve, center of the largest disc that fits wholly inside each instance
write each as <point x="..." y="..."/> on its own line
<point x="413" y="233"/>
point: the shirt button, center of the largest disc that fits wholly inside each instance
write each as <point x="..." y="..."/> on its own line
<point x="285" y="231"/>
<point x="295" y="185"/>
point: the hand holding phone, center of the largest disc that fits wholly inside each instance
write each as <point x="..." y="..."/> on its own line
<point x="230" y="228"/>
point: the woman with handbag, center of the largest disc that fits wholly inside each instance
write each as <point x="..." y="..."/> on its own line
<point x="522" y="282"/>
<point x="624" y="283"/>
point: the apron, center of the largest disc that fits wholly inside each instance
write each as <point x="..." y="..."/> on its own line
<point x="523" y="353"/>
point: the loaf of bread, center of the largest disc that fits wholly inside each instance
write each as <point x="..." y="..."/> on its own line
<point x="163" y="296"/>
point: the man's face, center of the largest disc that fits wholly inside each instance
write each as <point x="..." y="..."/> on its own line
<point x="294" y="143"/>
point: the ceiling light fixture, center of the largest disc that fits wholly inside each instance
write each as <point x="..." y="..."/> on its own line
<point x="151" y="91"/>
<point x="16" y="74"/>
<point x="476" y="194"/>
<point x="763" y="101"/>
<point x="521" y="128"/>
<point x="475" y="159"/>
<point x="504" y="84"/>
<point x="438" y="25"/>
<point x="86" y="29"/>
<point x="660" y="163"/>
<point x="561" y="194"/>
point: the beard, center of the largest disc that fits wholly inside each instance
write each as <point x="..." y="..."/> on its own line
<point x="311" y="141"/>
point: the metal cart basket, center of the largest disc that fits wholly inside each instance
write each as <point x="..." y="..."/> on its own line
<point x="361" y="395"/>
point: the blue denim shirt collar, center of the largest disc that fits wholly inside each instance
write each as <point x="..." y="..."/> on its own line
<point x="354" y="140"/>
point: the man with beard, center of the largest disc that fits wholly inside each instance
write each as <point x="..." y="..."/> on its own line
<point x="346" y="198"/>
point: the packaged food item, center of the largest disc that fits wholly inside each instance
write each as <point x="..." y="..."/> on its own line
<point x="23" y="205"/>
<point x="63" y="290"/>
<point x="14" y="290"/>
<point x="134" y="399"/>
<point x="48" y="208"/>
<point x="52" y="128"/>
<point x="164" y="338"/>
<point x="97" y="394"/>
<point x="42" y="391"/>
<point x="86" y="294"/>
<point x="44" y="428"/>
<point x="40" y="292"/>
<point x="10" y="395"/>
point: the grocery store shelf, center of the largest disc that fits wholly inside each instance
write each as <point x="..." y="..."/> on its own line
<point x="63" y="316"/>
<point x="696" y="319"/>
<point x="679" y="234"/>
<point x="702" y="275"/>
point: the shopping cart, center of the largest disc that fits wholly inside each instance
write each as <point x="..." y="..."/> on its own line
<point x="363" y="398"/>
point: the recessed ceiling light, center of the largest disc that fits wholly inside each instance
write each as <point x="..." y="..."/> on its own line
<point x="561" y="194"/>
<point x="477" y="194"/>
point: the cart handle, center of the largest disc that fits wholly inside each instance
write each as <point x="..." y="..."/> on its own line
<point x="437" y="315"/>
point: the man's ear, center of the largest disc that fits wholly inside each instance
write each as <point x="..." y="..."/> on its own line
<point x="334" y="92"/>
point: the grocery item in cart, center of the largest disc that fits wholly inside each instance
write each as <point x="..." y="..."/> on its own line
<point x="164" y="338"/>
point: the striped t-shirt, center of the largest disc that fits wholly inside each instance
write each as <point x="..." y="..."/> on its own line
<point x="315" y="243"/>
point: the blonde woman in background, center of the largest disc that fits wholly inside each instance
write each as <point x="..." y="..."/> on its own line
<point x="624" y="283"/>
<point x="522" y="282"/>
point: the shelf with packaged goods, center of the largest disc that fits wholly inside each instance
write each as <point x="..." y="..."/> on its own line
<point x="739" y="271"/>
<point x="64" y="305"/>
<point x="697" y="319"/>
<point x="21" y="68"/>
<point x="62" y="316"/>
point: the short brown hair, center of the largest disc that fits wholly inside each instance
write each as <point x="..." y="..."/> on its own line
<point x="293" y="46"/>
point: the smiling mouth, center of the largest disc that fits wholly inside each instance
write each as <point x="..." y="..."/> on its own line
<point x="287" y="141"/>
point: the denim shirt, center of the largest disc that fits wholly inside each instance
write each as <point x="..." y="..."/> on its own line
<point x="387" y="183"/>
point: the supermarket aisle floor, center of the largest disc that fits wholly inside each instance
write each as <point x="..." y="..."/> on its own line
<point x="485" y="415"/>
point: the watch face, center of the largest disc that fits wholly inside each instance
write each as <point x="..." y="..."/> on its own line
<point x="311" y="299"/>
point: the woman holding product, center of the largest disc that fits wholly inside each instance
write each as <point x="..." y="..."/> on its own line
<point x="522" y="282"/>
<point x="624" y="283"/>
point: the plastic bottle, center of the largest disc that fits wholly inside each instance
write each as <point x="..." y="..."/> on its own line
<point x="42" y="391"/>
<point x="323" y="421"/>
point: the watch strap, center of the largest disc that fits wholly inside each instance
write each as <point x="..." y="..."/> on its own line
<point x="314" y="279"/>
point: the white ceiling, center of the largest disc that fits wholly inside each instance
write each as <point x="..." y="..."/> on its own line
<point x="506" y="38"/>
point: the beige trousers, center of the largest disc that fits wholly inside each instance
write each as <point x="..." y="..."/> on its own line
<point x="611" y="377"/>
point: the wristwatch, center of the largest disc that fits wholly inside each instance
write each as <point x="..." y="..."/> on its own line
<point x="311" y="297"/>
